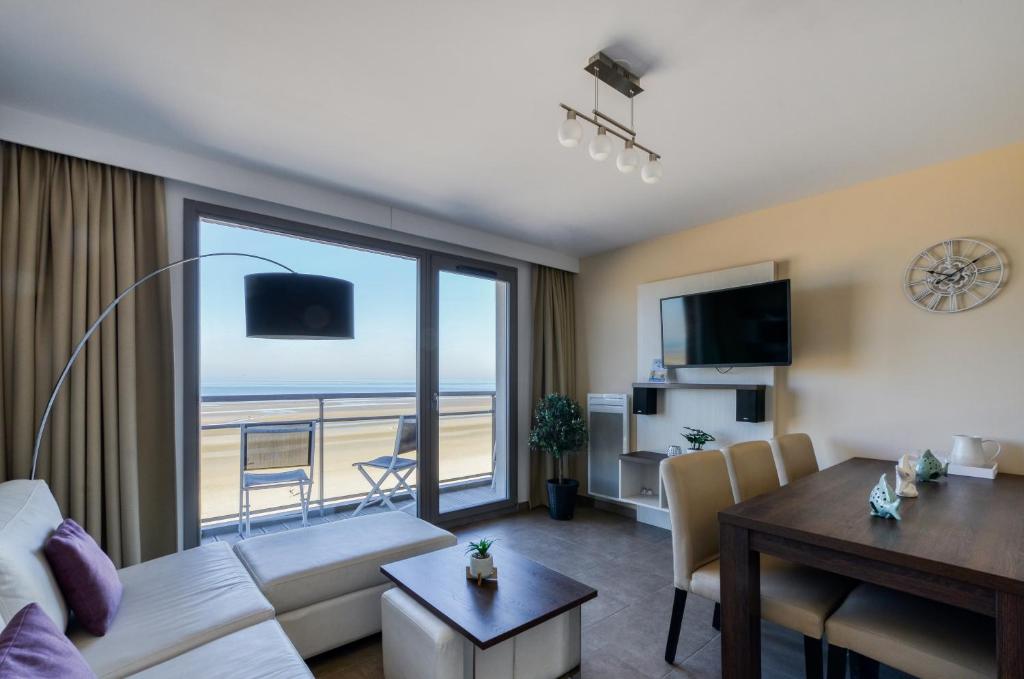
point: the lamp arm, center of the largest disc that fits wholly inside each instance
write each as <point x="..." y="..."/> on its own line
<point x="96" y="324"/>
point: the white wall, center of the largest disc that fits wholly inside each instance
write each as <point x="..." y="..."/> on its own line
<point x="713" y="411"/>
<point x="178" y="192"/>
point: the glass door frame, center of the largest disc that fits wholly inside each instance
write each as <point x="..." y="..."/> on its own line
<point x="442" y="262"/>
<point x="428" y="262"/>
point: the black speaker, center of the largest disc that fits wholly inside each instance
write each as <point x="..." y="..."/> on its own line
<point x="750" y="405"/>
<point x="645" y="401"/>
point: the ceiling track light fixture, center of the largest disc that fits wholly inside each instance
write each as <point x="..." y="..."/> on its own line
<point x="629" y="159"/>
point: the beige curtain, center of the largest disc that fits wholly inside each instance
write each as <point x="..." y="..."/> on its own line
<point x="554" y="361"/>
<point x="72" y="234"/>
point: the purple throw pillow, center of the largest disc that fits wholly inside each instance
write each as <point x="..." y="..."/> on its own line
<point x="31" y="647"/>
<point x="86" y="576"/>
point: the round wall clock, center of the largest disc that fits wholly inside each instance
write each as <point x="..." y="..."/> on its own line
<point x="954" y="275"/>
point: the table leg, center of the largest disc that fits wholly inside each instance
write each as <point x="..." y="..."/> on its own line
<point x="1009" y="634"/>
<point x="741" y="605"/>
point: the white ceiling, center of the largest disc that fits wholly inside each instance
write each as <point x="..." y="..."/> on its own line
<point x="450" y="107"/>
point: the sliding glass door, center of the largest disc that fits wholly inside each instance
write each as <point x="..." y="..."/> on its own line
<point x="415" y="414"/>
<point x="473" y="361"/>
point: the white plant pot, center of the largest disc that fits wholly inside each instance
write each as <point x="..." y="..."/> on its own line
<point x="481" y="567"/>
<point x="694" y="450"/>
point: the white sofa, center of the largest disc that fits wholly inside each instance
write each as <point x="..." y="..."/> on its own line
<point x="195" y="613"/>
<point x="201" y="613"/>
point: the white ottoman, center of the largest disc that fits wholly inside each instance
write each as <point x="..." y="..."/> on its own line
<point x="325" y="581"/>
<point x="418" y="645"/>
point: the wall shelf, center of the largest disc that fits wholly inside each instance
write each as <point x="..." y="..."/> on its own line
<point x="750" y="398"/>
<point x="652" y="501"/>
<point x="697" y="385"/>
<point x="643" y="457"/>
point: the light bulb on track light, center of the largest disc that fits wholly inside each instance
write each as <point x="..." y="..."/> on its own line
<point x="601" y="145"/>
<point x="651" y="171"/>
<point x="570" y="132"/>
<point x="628" y="159"/>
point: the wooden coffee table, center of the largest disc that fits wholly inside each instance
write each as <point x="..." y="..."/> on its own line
<point x="525" y="595"/>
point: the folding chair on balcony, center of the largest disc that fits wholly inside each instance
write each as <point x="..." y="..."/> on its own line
<point x="275" y="446"/>
<point x="393" y="465"/>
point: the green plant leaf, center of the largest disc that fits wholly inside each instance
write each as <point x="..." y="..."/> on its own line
<point x="480" y="548"/>
<point x="559" y="428"/>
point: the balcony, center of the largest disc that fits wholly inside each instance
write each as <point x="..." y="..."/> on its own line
<point x="350" y="427"/>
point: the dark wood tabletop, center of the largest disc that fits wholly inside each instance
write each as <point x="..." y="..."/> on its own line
<point x="525" y="594"/>
<point x="973" y="528"/>
<point x="961" y="541"/>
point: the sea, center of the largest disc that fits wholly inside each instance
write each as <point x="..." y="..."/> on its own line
<point x="264" y="388"/>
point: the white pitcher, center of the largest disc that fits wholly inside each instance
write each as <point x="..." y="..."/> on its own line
<point x="969" y="451"/>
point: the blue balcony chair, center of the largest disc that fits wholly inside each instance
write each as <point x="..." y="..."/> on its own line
<point x="288" y="447"/>
<point x="393" y="466"/>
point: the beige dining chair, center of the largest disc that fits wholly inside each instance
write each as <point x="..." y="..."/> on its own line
<point x="794" y="456"/>
<point x="752" y="469"/>
<point x="926" y="639"/>
<point x="697" y="487"/>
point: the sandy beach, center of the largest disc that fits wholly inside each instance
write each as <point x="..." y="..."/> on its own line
<point x="465" y="445"/>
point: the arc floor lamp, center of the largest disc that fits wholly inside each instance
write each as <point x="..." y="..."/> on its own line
<point x="277" y="306"/>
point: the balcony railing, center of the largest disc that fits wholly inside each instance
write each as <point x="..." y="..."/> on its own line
<point x="351" y="427"/>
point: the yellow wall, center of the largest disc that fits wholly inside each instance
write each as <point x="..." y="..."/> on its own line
<point x="872" y="375"/>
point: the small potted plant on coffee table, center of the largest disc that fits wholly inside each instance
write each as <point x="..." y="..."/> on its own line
<point x="559" y="430"/>
<point x="481" y="564"/>
<point x="696" y="438"/>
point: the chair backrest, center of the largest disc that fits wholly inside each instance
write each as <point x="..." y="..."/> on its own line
<point x="28" y="515"/>
<point x="751" y="469"/>
<point x="794" y="456"/>
<point x="697" y="488"/>
<point x="275" y="446"/>
<point x="406" y="440"/>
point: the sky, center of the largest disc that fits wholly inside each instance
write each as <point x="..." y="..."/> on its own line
<point x="384" y="348"/>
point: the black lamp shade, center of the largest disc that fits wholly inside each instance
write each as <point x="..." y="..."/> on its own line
<point x="298" y="306"/>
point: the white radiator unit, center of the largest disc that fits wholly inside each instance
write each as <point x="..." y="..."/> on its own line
<point x="608" y="423"/>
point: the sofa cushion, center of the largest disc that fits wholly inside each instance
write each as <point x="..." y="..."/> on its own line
<point x="87" y="577"/>
<point x="258" y="652"/>
<point x="171" y="605"/>
<point x="31" y="647"/>
<point x="300" y="567"/>
<point x="28" y="514"/>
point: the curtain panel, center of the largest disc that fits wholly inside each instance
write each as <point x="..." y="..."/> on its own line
<point x="554" y="363"/>
<point x="72" y="234"/>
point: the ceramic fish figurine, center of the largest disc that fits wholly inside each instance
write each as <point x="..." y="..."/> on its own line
<point x="929" y="468"/>
<point x="905" y="473"/>
<point x="883" y="501"/>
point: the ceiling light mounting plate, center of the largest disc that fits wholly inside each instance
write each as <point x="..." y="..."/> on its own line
<point x="614" y="74"/>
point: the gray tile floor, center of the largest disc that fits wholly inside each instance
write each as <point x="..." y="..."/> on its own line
<point x="630" y="564"/>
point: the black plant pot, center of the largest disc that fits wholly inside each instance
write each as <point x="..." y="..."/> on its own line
<point x="562" y="498"/>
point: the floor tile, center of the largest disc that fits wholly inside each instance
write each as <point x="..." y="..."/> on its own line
<point x="625" y="628"/>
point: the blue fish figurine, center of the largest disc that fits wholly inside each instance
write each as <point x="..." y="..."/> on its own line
<point x="883" y="501"/>
<point x="929" y="468"/>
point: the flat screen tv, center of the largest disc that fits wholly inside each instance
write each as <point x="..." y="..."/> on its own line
<point x="744" y="326"/>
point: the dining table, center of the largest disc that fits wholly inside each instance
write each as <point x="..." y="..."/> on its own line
<point x="960" y="542"/>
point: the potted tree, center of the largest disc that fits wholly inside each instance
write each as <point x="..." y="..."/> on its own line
<point x="559" y="430"/>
